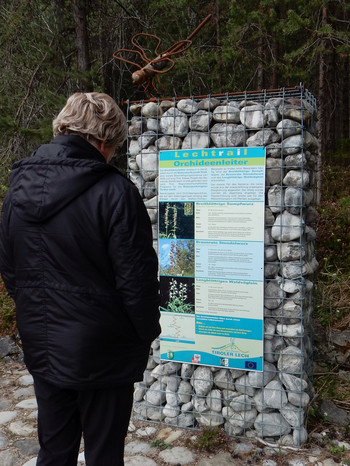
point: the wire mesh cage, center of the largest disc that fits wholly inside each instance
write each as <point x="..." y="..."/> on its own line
<point x="271" y="404"/>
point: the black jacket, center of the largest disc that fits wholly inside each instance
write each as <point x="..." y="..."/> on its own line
<point x="76" y="255"/>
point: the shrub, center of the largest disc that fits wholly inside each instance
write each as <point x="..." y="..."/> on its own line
<point x="7" y="313"/>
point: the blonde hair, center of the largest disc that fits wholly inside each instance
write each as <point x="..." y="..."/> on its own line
<point x="92" y="114"/>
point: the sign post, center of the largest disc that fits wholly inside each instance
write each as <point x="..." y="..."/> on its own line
<point x="211" y="256"/>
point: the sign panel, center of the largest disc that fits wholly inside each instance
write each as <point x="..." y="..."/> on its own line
<point x="211" y="256"/>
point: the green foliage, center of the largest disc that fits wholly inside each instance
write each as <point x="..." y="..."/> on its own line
<point x="156" y="443"/>
<point x="178" y="298"/>
<point x="332" y="292"/>
<point x="209" y="439"/>
<point x="7" y="314"/>
<point x="337" y="449"/>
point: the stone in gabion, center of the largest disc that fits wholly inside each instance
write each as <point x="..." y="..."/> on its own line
<point x="227" y="135"/>
<point x="274" y="395"/>
<point x="262" y="138"/>
<point x="271" y="425"/>
<point x="287" y="227"/>
<point x="200" y="121"/>
<point x="196" y="140"/>
<point x="287" y="128"/>
<point x="188" y="106"/>
<point x="202" y="380"/>
<point x="226" y="114"/>
<point x="253" y="117"/>
<point x="174" y="122"/>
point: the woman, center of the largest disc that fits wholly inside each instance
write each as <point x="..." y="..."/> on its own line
<point x="76" y="255"/>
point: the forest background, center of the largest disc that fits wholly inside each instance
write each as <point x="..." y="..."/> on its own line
<point x="50" y="49"/>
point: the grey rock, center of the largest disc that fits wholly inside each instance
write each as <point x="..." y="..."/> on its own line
<point x="275" y="198"/>
<point x="177" y="455"/>
<point x="136" y="447"/>
<point x="294" y="112"/>
<point x="299" y="178"/>
<point x="152" y="124"/>
<point x="273" y="295"/>
<point x="271" y="114"/>
<point x="139" y="392"/>
<point x="293" y="415"/>
<point x="214" y="400"/>
<point x="166" y="104"/>
<point x="274" y="395"/>
<point x="174" y="122"/>
<point x="226" y="114"/>
<point x="156" y="394"/>
<point x="136" y="127"/>
<point x="227" y="135"/>
<point x="184" y="392"/>
<point x="271" y="425"/>
<point x="269" y="217"/>
<point x="294" y="199"/>
<point x="135" y="109"/>
<point x="244" y="419"/>
<point x="171" y="411"/>
<point x="202" y="380"/>
<point x="287" y="128"/>
<point x="241" y="403"/>
<point x="27" y="447"/>
<point x="209" y="418"/>
<point x="274" y="171"/>
<point x="243" y="385"/>
<point x="334" y="414"/>
<point x="196" y="140"/>
<point x="6" y="458"/>
<point x="151" y="110"/>
<point x="223" y="379"/>
<point x="293" y="144"/>
<point x="148" y="163"/>
<point x="149" y="189"/>
<point x="8" y="347"/>
<point x="262" y="138"/>
<point x="146" y="139"/>
<point x="187" y="106"/>
<point x="7" y="416"/>
<point x="253" y="117"/>
<point x="290" y="251"/>
<point x="200" y="121"/>
<point x="134" y="149"/>
<point x="290" y="360"/>
<point x="22" y="429"/>
<point x="27" y="404"/>
<point x="260" y="379"/>
<point x="208" y="104"/>
<point x="168" y="143"/>
<point x="272" y="349"/>
<point x="287" y="227"/>
<point x="274" y="150"/>
<point x="187" y="370"/>
<point x="3" y="441"/>
<point x="300" y="437"/>
<point x="269" y="331"/>
<point x="295" y="161"/>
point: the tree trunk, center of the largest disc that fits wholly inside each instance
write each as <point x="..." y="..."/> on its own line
<point x="274" y="71"/>
<point x="322" y="91"/>
<point x="82" y="42"/>
<point x="345" y="98"/>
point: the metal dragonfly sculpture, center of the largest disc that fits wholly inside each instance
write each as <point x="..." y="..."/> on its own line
<point x="161" y="64"/>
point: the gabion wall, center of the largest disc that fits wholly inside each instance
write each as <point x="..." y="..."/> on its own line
<point x="271" y="404"/>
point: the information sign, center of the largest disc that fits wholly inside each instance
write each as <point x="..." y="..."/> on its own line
<point x="211" y="256"/>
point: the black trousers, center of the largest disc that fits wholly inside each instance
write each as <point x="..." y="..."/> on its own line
<point x="64" y="415"/>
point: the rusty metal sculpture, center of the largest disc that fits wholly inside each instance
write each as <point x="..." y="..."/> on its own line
<point x="154" y="67"/>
